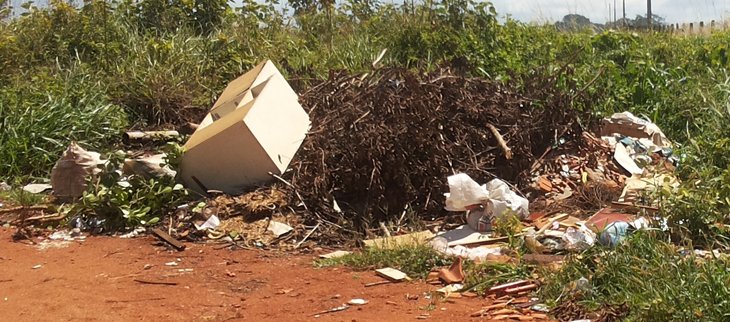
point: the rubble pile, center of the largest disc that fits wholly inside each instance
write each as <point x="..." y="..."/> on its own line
<point x="384" y="142"/>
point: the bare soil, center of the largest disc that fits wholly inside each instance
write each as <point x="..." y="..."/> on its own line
<point x="99" y="280"/>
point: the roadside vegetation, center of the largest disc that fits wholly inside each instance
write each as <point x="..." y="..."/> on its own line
<point x="86" y="74"/>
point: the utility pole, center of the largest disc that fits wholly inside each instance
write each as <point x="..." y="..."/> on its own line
<point x="648" y="13"/>
<point x="624" y="7"/>
<point x="614" y="13"/>
<point x="609" y="14"/>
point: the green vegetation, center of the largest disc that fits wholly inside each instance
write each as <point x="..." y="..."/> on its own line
<point x="86" y="74"/>
<point x="652" y="277"/>
<point x="418" y="261"/>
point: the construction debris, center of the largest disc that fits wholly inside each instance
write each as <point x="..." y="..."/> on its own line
<point x="453" y="274"/>
<point x="392" y="274"/>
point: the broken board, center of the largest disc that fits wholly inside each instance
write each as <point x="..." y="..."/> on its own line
<point x="464" y="235"/>
<point x="392" y="274"/>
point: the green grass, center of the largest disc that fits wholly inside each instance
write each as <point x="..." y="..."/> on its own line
<point x="418" y="261"/>
<point x="20" y="197"/>
<point x="42" y="112"/>
<point x="649" y="275"/>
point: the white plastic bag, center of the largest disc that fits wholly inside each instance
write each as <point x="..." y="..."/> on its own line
<point x="464" y="192"/>
<point x="495" y="198"/>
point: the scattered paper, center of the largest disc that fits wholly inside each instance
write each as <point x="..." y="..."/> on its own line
<point x="37" y="187"/>
<point x="279" y="228"/>
<point x="212" y="223"/>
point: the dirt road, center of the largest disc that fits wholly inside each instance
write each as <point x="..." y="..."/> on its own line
<point x="103" y="279"/>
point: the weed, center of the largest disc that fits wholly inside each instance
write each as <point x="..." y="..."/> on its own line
<point x="651" y="277"/>
<point x="418" y="261"/>
<point x="415" y="261"/>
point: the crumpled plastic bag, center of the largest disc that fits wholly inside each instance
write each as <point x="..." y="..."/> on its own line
<point x="68" y="177"/>
<point x="495" y="198"/>
<point x="465" y="192"/>
<point x="579" y="239"/>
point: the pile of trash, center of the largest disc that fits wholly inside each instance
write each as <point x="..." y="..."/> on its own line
<point x="382" y="143"/>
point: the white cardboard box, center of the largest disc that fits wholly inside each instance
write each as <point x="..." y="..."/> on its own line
<point x="255" y="127"/>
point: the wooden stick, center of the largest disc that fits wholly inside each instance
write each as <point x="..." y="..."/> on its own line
<point x="22" y="208"/>
<point x="377" y="283"/>
<point x="154" y="282"/>
<point x="136" y="300"/>
<point x="500" y="140"/>
<point x="307" y="236"/>
<point x="168" y="239"/>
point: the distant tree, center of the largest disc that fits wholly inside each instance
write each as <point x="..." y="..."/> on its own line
<point x="574" y="22"/>
<point x="643" y="22"/>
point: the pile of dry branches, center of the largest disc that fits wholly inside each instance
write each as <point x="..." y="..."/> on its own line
<point x="386" y="142"/>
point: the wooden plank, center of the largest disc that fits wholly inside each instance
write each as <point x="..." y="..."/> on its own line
<point x="168" y="239"/>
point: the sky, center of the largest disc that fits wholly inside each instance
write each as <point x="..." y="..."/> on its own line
<point x="674" y="11"/>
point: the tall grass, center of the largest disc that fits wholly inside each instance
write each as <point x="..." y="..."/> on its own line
<point x="652" y="277"/>
<point x="41" y="112"/>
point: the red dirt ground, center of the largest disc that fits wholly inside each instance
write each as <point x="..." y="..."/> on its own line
<point x="94" y="280"/>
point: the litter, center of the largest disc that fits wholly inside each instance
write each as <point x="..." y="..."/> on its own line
<point x="279" y="229"/>
<point x="392" y="274"/>
<point x="244" y="138"/>
<point x="37" y="266"/>
<point x="465" y="235"/>
<point x="357" y="302"/>
<point x="484" y="203"/>
<point x="153" y="166"/>
<point x="453" y="274"/>
<point x="168" y="239"/>
<point x="333" y="310"/>
<point x="626" y="124"/>
<point x="70" y="173"/>
<point x="449" y="289"/>
<point x="579" y="239"/>
<point x="134" y="233"/>
<point x="211" y="223"/>
<point x="37" y="187"/>
<point x="335" y="254"/>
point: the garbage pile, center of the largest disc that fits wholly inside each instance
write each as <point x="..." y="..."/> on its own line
<point x="381" y="144"/>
